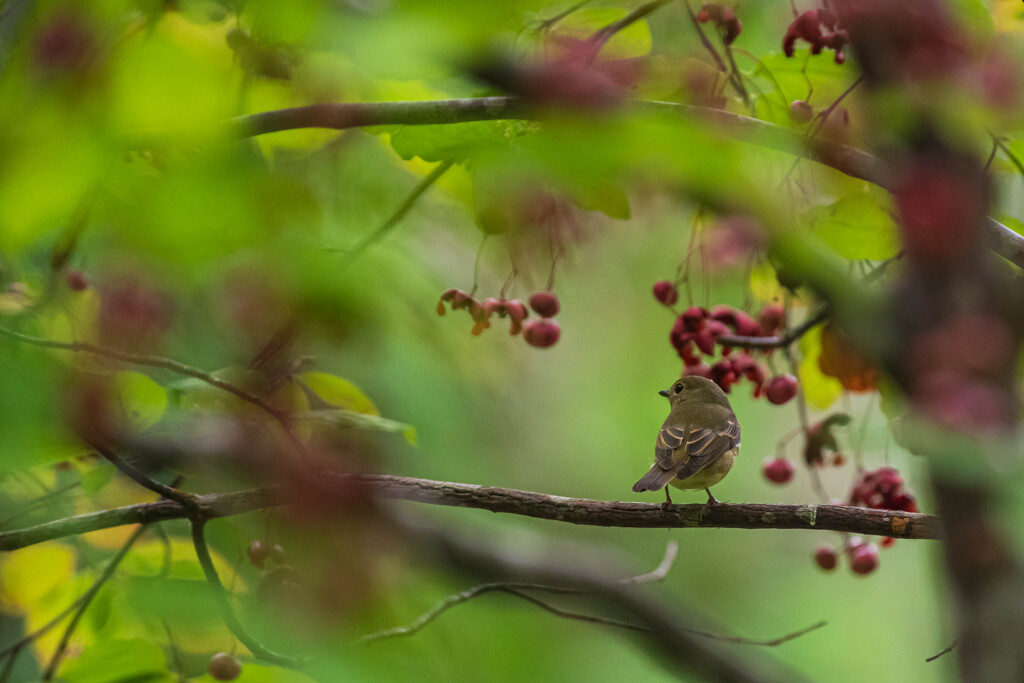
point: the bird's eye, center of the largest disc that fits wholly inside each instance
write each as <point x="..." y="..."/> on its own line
<point x="678" y="388"/>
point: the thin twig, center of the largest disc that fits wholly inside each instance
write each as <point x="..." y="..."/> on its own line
<point x="86" y="600"/>
<point x="947" y="650"/>
<point x="400" y="212"/>
<point x="661" y="571"/>
<point x="781" y="341"/>
<point x="602" y="35"/>
<point x="227" y="613"/>
<point x="187" y="500"/>
<point x="39" y="502"/>
<point x="704" y="40"/>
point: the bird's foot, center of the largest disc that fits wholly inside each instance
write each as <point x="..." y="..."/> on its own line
<point x="667" y="505"/>
<point x="711" y="499"/>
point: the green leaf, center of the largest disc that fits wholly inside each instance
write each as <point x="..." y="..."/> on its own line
<point x="819" y="389"/>
<point x="142" y="400"/>
<point x="338" y="392"/>
<point x="450" y="142"/>
<point x="858" y="226"/>
<point x="116" y="661"/>
<point x="347" y="419"/>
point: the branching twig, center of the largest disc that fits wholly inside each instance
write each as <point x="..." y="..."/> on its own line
<point x="791" y="335"/>
<point x="86" y="600"/>
<point x="582" y="511"/>
<point x="661" y="571"/>
<point x="227" y="613"/>
<point x="186" y="500"/>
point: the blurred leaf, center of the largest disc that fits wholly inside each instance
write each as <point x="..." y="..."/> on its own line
<point x="338" y="392"/>
<point x="819" y="389"/>
<point x="29" y="574"/>
<point x="974" y="17"/>
<point x="31" y="404"/>
<point x="97" y="476"/>
<point x="857" y="226"/>
<point x="347" y="419"/>
<point x="117" y="661"/>
<point x="609" y="199"/>
<point x="451" y="142"/>
<point x="142" y="400"/>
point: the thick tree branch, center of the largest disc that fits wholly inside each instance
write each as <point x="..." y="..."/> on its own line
<point x="848" y="160"/>
<point x="541" y="506"/>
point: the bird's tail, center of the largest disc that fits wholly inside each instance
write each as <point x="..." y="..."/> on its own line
<point x="654" y="480"/>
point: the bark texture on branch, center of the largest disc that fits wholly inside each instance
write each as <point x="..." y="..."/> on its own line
<point x="512" y="501"/>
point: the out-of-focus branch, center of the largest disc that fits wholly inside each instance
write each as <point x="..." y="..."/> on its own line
<point x="777" y="342"/>
<point x="665" y="633"/>
<point x="843" y="158"/>
<point x="527" y="503"/>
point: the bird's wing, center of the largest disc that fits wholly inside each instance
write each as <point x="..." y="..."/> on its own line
<point x="669" y="439"/>
<point x="705" y="446"/>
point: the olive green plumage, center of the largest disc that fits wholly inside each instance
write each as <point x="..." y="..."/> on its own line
<point x="698" y="442"/>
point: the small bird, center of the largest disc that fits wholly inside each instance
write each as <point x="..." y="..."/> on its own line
<point x="698" y="442"/>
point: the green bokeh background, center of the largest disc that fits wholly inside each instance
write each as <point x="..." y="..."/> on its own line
<point x="191" y="211"/>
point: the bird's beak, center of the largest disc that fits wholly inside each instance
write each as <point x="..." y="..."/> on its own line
<point x="664" y="392"/>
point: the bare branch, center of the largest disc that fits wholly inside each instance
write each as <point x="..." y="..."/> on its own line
<point x="948" y="649"/>
<point x="582" y="511"/>
<point x="791" y="335"/>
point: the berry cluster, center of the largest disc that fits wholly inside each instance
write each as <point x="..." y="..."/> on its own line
<point x="808" y="27"/>
<point x="697" y="331"/>
<point x="540" y="333"/>
<point x="863" y="556"/>
<point x="725" y="19"/>
<point x="882" y="489"/>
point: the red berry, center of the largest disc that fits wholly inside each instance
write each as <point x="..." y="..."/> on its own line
<point x="778" y="470"/>
<point x="864" y="559"/>
<point x="541" y="333"/>
<point x="545" y="304"/>
<point x="800" y="111"/>
<point x="888" y="542"/>
<point x="224" y="667"/>
<point x="257" y="552"/>
<point x="826" y="558"/>
<point x="781" y="389"/>
<point x="76" y="280"/>
<point x="666" y="292"/>
<point x="700" y="369"/>
<point x="771" y="318"/>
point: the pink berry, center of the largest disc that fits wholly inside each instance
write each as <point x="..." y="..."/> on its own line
<point x="800" y="111"/>
<point x="257" y="552"/>
<point x="771" y="318"/>
<point x="545" y="304"/>
<point x="781" y="389"/>
<point x="864" y="559"/>
<point x="826" y="558"/>
<point x="666" y="292"/>
<point x="541" y="333"/>
<point x="778" y="470"/>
